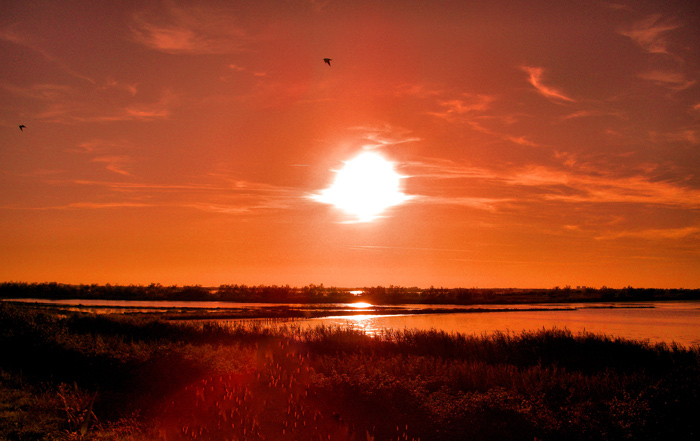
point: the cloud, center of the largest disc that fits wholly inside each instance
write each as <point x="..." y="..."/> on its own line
<point x="103" y="205"/>
<point x="689" y="136"/>
<point x="384" y="135"/>
<point x="71" y="105"/>
<point x="516" y="139"/>
<point x="675" y="81"/>
<point x="477" y="109"/>
<point x="111" y="83"/>
<point x="635" y="190"/>
<point x="99" y="145"/>
<point x="114" y="163"/>
<point x="416" y="90"/>
<point x="436" y="168"/>
<point x="14" y="35"/>
<point x="222" y="188"/>
<point x="654" y="234"/>
<point x="82" y="206"/>
<point x="477" y="203"/>
<point x="535" y="78"/>
<point x="401" y="249"/>
<point x="102" y="152"/>
<point x="649" y="34"/>
<point x="215" y="194"/>
<point x="41" y="92"/>
<point x="189" y="30"/>
<point x="140" y="186"/>
<point x="581" y="114"/>
<point x="546" y="183"/>
<point x="80" y="108"/>
<point x="465" y="104"/>
<point x="146" y="112"/>
<point x="238" y="68"/>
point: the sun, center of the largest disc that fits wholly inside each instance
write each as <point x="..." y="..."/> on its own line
<point x="365" y="187"/>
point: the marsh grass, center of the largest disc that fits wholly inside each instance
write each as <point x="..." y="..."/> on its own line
<point x="144" y="378"/>
<point x="78" y="405"/>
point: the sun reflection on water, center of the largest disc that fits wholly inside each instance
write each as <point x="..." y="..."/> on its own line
<point x="361" y="305"/>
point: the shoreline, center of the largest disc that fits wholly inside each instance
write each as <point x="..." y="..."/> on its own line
<point x="279" y="311"/>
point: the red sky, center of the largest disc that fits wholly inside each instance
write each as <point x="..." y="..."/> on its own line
<point x="542" y="143"/>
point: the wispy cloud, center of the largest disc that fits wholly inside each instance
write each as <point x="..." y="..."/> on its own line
<point x="417" y="90"/>
<point x="237" y="68"/>
<point x="103" y="152"/>
<point x="675" y="81"/>
<point x="70" y="105"/>
<point x="602" y="189"/>
<point x="654" y="234"/>
<point x="462" y="105"/>
<point x="114" y="163"/>
<point x="143" y="186"/>
<point x="476" y="111"/>
<point x="80" y="206"/>
<point x="516" y="139"/>
<point x="189" y="30"/>
<point x="567" y="185"/>
<point x="401" y="249"/>
<point x="41" y="92"/>
<point x="593" y="114"/>
<point x="104" y="205"/>
<point x="79" y="108"/>
<point x="437" y="168"/>
<point x="98" y="145"/>
<point x="650" y="33"/>
<point x="383" y="135"/>
<point x="535" y="75"/>
<point x="477" y="203"/>
<point x="215" y="194"/>
<point x="14" y="34"/>
<point x="689" y="136"/>
<point x="111" y="83"/>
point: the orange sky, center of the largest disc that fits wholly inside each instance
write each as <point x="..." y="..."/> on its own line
<point x="542" y="143"/>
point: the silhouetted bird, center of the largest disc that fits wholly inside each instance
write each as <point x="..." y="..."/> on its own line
<point x="22" y="127"/>
<point x="327" y="61"/>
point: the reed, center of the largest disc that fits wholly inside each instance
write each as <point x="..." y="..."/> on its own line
<point x="216" y="380"/>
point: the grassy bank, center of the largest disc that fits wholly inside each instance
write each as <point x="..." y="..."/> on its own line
<point x="83" y="376"/>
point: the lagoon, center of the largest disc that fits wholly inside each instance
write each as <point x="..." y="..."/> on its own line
<point x="655" y="321"/>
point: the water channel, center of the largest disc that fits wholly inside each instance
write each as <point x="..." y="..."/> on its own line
<point x="668" y="322"/>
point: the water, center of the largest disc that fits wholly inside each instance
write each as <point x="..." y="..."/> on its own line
<point x="668" y="322"/>
<point x="671" y="322"/>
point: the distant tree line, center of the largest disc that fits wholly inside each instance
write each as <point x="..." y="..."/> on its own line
<point x="378" y="295"/>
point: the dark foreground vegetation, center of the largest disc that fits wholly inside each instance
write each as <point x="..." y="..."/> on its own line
<point x="99" y="377"/>
<point x="377" y="295"/>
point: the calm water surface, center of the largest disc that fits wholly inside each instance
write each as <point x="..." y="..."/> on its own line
<point x="656" y="322"/>
<point x="666" y="322"/>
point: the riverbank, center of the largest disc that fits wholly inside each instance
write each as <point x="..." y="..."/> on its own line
<point x="80" y="375"/>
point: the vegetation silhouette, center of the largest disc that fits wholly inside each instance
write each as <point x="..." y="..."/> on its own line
<point x="144" y="378"/>
<point x="377" y="295"/>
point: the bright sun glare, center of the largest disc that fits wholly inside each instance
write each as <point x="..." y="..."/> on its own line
<point x="360" y="305"/>
<point x="365" y="187"/>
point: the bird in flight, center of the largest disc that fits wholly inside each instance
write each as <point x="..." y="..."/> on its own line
<point x="327" y="61"/>
<point x="22" y="127"/>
